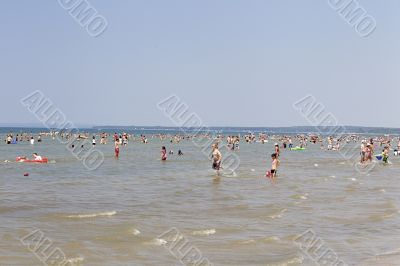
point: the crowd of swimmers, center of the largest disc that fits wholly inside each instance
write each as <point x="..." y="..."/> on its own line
<point x="327" y="143"/>
<point x="10" y="139"/>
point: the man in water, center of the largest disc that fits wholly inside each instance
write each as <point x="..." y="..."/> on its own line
<point x="217" y="158"/>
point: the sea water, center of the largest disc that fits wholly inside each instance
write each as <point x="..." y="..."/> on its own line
<point x="118" y="213"/>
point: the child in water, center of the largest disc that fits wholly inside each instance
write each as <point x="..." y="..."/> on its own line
<point x="274" y="167"/>
<point x="163" y="153"/>
<point x="385" y="154"/>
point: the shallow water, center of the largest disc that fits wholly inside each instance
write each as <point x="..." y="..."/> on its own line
<point x="115" y="214"/>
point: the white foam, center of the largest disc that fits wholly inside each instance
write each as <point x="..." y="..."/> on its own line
<point x="272" y="239"/>
<point x="231" y="174"/>
<point x="135" y="232"/>
<point x="295" y="260"/>
<point x="278" y="215"/>
<point x="388" y="253"/>
<point x="316" y="165"/>
<point x="92" y="215"/>
<point x="248" y="241"/>
<point x="206" y="232"/>
<point x="159" y="242"/>
<point x="74" y="261"/>
<point x="176" y="238"/>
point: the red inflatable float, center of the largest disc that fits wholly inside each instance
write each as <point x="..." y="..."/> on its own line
<point x="25" y="160"/>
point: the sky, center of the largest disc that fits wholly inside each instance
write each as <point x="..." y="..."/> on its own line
<point x="232" y="62"/>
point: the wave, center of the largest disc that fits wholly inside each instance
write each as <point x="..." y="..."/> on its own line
<point x="158" y="242"/>
<point x="300" y="196"/>
<point x="389" y="253"/>
<point x="277" y="214"/>
<point x="206" y="232"/>
<point x="386" y="258"/>
<point x="134" y="231"/>
<point x="271" y="239"/>
<point x="92" y="215"/>
<point x="75" y="261"/>
<point x="291" y="261"/>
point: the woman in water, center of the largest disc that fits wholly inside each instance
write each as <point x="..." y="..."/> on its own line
<point x="116" y="147"/>
<point x="368" y="153"/>
<point x="163" y="153"/>
<point x="277" y="149"/>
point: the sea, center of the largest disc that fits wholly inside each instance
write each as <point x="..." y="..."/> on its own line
<point x="138" y="210"/>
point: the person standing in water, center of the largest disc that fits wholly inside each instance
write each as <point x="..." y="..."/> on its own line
<point x="163" y="153"/>
<point x="385" y="155"/>
<point x="216" y="157"/>
<point x="274" y="167"/>
<point x="116" y="147"/>
<point x="9" y="139"/>
<point x="368" y="153"/>
<point x="362" y="152"/>
<point x="277" y="149"/>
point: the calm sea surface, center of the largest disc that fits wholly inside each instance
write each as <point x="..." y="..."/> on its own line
<point x="115" y="214"/>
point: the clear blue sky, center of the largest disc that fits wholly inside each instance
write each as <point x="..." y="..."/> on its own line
<point x="235" y="63"/>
